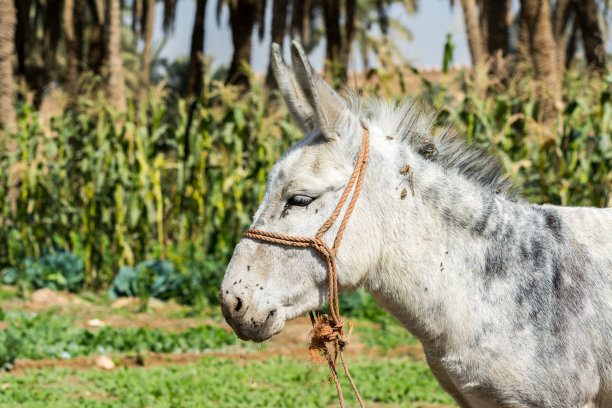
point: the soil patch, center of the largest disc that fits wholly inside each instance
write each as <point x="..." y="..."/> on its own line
<point x="292" y="342"/>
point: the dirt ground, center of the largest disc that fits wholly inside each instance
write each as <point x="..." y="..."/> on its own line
<point x="291" y="342"/>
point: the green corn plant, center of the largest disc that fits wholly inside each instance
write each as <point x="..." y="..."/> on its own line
<point x="117" y="189"/>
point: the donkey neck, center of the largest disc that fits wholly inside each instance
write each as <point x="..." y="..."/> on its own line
<point x="444" y="236"/>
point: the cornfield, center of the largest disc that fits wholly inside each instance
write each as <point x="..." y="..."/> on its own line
<point x="117" y="189"/>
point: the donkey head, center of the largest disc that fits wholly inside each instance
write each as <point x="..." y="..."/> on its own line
<point x="266" y="284"/>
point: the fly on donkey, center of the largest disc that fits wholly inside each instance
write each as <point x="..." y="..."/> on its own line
<point x="511" y="301"/>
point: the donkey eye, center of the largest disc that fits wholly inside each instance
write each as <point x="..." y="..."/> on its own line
<point x="300" y="200"/>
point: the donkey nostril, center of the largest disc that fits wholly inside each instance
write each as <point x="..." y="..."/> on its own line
<point x="238" y="305"/>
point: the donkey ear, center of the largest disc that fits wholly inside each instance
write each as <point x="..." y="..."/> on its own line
<point x="298" y="105"/>
<point x="331" y="114"/>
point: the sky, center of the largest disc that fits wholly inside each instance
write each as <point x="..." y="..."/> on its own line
<point x="429" y="26"/>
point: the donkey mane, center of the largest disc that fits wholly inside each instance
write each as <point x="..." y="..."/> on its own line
<point x="413" y="121"/>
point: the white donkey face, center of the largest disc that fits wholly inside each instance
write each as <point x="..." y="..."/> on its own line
<point x="266" y="284"/>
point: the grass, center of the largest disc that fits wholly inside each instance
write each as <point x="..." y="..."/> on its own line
<point x="386" y="337"/>
<point x="211" y="382"/>
<point x="48" y="335"/>
<point x="219" y="382"/>
<point x="8" y="292"/>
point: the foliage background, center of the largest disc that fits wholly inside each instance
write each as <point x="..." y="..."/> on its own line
<point x="117" y="189"/>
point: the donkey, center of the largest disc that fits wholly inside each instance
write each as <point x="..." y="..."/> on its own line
<point x="511" y="301"/>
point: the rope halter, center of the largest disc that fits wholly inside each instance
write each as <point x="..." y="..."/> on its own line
<point x="326" y="330"/>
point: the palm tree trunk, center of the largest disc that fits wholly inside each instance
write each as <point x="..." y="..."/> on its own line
<point x="196" y="60"/>
<point x="21" y="34"/>
<point x="97" y="49"/>
<point x="279" y="27"/>
<point x="98" y="46"/>
<point x="572" y="44"/>
<point x="562" y="16"/>
<point x="333" y="61"/>
<point x="194" y="76"/>
<point x="483" y="22"/>
<point x="145" y="68"/>
<point x="497" y="35"/>
<point x="52" y="21"/>
<point x="497" y="26"/>
<point x="8" y="21"/>
<point x="536" y="25"/>
<point x="349" y="31"/>
<point x="592" y="37"/>
<point x="115" y="84"/>
<point x="473" y="32"/>
<point x="300" y="20"/>
<point x="72" y="51"/>
<point x="242" y="20"/>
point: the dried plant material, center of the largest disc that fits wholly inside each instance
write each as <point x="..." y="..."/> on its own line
<point x="403" y="195"/>
<point x="405" y="170"/>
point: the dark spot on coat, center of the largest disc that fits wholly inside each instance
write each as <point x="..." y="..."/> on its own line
<point x="524" y="252"/>
<point x="552" y="220"/>
<point x="432" y="195"/>
<point x="427" y="149"/>
<point x="389" y="137"/>
<point x="557" y="277"/>
<point x="495" y="264"/>
<point x="530" y="296"/>
<point x="285" y="211"/>
<point x="248" y="267"/>
<point x="403" y="194"/>
<point x="554" y="224"/>
<point x="405" y="170"/>
<point x="538" y="256"/>
<point x="481" y="224"/>
<point x="449" y="217"/>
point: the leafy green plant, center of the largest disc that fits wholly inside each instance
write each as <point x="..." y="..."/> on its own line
<point x="148" y="278"/>
<point x="48" y="335"/>
<point x="361" y="305"/>
<point x="222" y="382"/>
<point x="116" y="189"/>
<point x="58" y="270"/>
<point x="195" y="282"/>
<point x="385" y="337"/>
<point x="9" y="345"/>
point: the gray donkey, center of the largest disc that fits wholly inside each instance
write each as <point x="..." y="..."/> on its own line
<point x="511" y="301"/>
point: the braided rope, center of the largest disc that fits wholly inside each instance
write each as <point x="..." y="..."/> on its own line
<point x="326" y="330"/>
